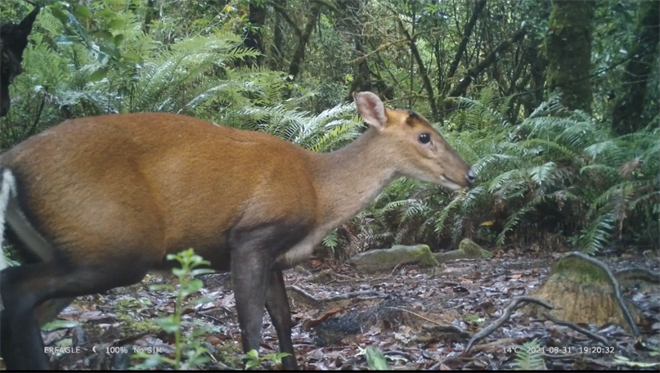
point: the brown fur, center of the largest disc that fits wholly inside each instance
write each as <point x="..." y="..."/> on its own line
<point x="175" y="182"/>
<point x="111" y="196"/>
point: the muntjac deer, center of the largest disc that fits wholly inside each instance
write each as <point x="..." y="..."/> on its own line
<point x="96" y="203"/>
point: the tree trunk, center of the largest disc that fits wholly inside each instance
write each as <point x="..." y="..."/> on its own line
<point x="351" y="23"/>
<point x="466" y="37"/>
<point x="423" y="74"/>
<point x="150" y="16"/>
<point x="568" y="47"/>
<point x="629" y="107"/>
<point x="472" y="73"/>
<point x="276" y="48"/>
<point x="299" y="54"/>
<point x="253" y="37"/>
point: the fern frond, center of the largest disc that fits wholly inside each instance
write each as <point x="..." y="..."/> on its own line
<point x="529" y="361"/>
<point x="543" y="174"/>
<point x="597" y="234"/>
<point x="439" y="224"/>
<point x="550" y="146"/>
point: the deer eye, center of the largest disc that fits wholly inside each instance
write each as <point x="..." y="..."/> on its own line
<point x="424" y="138"/>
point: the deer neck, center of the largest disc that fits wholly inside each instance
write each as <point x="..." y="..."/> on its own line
<point x="349" y="179"/>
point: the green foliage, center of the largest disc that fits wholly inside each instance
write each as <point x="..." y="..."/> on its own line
<point x="129" y="311"/>
<point x="188" y="285"/>
<point x="555" y="175"/>
<point x="98" y="60"/>
<point x="253" y="360"/>
<point x="375" y="358"/>
<point x="329" y="130"/>
<point x="543" y="173"/>
<point x="527" y="357"/>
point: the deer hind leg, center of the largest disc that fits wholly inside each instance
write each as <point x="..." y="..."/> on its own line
<point x="24" y="288"/>
<point x="49" y="310"/>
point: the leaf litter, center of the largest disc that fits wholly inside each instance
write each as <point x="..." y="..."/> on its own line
<point x="418" y="318"/>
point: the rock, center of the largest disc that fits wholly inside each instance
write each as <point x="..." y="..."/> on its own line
<point x="472" y="250"/>
<point x="386" y="259"/>
<point x="467" y="249"/>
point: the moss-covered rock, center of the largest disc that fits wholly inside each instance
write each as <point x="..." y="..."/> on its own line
<point x="472" y="250"/>
<point x="467" y="249"/>
<point x="386" y="259"/>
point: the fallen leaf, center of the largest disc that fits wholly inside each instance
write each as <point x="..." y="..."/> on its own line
<point x="60" y="324"/>
<point x="316" y="263"/>
<point x="213" y="340"/>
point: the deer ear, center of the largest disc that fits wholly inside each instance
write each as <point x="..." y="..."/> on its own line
<point x="371" y="109"/>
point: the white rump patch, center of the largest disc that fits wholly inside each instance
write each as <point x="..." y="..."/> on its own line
<point x="7" y="191"/>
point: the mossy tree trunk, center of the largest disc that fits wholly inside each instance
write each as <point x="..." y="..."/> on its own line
<point x="253" y="37"/>
<point x="629" y="107"/>
<point x="351" y="23"/>
<point x="299" y="54"/>
<point x="568" y="49"/>
<point x="276" y="48"/>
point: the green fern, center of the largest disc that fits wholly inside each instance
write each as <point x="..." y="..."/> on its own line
<point x="527" y="358"/>
<point x="562" y="174"/>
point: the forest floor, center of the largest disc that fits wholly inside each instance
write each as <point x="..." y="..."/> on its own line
<point x="397" y="312"/>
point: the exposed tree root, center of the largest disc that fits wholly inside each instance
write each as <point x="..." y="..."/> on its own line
<point x="516" y="303"/>
<point x="615" y="284"/>
<point x="354" y="294"/>
<point x="577" y="329"/>
<point x="634" y="273"/>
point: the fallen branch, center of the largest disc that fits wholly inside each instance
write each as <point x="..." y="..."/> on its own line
<point x="615" y="284"/>
<point x="447" y="329"/>
<point x="516" y="303"/>
<point x="437" y="327"/>
<point x="578" y="329"/>
<point x="638" y="274"/>
<point x="353" y="294"/>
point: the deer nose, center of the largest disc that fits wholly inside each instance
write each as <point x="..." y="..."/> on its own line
<point x="470" y="176"/>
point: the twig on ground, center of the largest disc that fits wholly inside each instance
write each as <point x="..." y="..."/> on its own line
<point x="437" y="327"/>
<point x="516" y="303"/>
<point x="377" y="279"/>
<point x="578" y="329"/>
<point x="344" y="278"/>
<point x="395" y="268"/>
<point x="638" y="274"/>
<point x="411" y="312"/>
<point x="447" y="329"/>
<point x="615" y="284"/>
<point x="353" y="294"/>
<point x="304" y="293"/>
<point x="218" y="320"/>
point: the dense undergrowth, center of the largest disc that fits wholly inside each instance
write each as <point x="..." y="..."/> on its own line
<point x="553" y="178"/>
<point x="557" y="178"/>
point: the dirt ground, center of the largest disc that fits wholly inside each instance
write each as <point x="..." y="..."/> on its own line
<point x="407" y="314"/>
